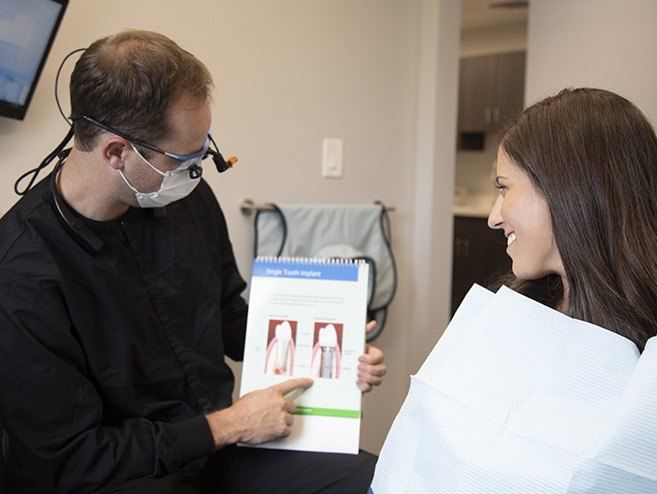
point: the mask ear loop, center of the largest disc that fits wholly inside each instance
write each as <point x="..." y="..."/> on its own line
<point x="134" y="148"/>
<point x="128" y="183"/>
<point x="60" y="147"/>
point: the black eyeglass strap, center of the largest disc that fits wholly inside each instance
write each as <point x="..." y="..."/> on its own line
<point x="46" y="161"/>
<point x="119" y="133"/>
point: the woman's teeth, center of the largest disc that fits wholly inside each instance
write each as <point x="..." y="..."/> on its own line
<point x="511" y="239"/>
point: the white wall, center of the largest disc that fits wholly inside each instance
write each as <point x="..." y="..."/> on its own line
<point x="434" y="177"/>
<point x="287" y="74"/>
<point x="598" y="43"/>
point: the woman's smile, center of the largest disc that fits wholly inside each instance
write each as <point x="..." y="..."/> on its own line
<point x="510" y="239"/>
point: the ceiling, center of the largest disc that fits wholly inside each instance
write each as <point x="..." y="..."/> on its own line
<point x="476" y="14"/>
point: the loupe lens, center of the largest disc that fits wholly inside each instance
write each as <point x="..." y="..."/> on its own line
<point x="195" y="172"/>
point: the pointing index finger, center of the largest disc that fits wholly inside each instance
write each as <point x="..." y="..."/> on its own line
<point x="292" y="384"/>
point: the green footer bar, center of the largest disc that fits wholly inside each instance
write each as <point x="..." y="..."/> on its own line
<point x="328" y="412"/>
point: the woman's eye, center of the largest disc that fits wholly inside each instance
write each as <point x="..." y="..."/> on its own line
<point x="501" y="188"/>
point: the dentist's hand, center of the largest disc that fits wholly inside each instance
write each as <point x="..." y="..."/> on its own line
<point x="371" y="368"/>
<point x="257" y="417"/>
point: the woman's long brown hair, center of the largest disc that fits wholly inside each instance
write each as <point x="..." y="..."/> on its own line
<point x="593" y="155"/>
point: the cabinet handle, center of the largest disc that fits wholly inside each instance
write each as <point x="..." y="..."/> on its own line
<point x="487" y="115"/>
<point x="458" y="243"/>
<point x="466" y="246"/>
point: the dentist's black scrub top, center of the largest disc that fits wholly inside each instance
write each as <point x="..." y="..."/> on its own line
<point x="109" y="360"/>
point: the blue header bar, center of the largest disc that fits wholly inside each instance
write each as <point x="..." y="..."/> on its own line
<point x="305" y="270"/>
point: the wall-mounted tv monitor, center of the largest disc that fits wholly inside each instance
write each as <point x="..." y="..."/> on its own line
<point x="27" y="30"/>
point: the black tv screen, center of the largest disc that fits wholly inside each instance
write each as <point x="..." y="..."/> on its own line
<point x="27" y="30"/>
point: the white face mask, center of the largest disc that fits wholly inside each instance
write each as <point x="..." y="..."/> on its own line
<point x="176" y="184"/>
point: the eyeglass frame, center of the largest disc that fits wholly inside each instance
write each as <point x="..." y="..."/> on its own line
<point x="195" y="171"/>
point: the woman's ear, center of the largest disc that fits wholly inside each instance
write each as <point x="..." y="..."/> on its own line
<point x="114" y="152"/>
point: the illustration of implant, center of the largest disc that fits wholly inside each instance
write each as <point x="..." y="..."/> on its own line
<point x="329" y="353"/>
<point x="280" y="352"/>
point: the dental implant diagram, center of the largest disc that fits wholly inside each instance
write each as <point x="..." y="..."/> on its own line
<point x="326" y="359"/>
<point x="279" y="359"/>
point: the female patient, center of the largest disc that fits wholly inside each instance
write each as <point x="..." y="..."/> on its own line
<point x="577" y="175"/>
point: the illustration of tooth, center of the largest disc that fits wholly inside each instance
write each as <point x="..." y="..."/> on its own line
<point x="326" y="361"/>
<point x="280" y="351"/>
<point x="328" y="342"/>
<point x="283" y="338"/>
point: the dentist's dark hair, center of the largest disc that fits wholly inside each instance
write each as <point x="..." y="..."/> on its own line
<point x="129" y="81"/>
<point x="593" y="156"/>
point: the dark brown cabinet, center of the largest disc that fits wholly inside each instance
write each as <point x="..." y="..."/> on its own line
<point x="491" y="89"/>
<point x="479" y="256"/>
<point x="510" y="87"/>
<point x="476" y="88"/>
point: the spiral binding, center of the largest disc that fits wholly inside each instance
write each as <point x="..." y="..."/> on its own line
<point x="311" y="260"/>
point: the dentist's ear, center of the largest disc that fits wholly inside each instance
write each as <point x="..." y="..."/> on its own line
<point x="114" y="152"/>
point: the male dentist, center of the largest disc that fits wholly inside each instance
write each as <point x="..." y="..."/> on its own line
<point x="120" y="298"/>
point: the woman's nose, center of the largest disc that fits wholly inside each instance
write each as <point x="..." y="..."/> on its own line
<point x="495" y="217"/>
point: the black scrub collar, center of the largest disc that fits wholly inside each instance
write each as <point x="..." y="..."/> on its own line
<point x="82" y="229"/>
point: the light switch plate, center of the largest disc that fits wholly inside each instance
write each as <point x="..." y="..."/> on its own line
<point x="332" y="158"/>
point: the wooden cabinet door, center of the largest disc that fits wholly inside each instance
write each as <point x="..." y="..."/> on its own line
<point x="479" y="256"/>
<point x="491" y="91"/>
<point x="476" y="94"/>
<point x="510" y="87"/>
